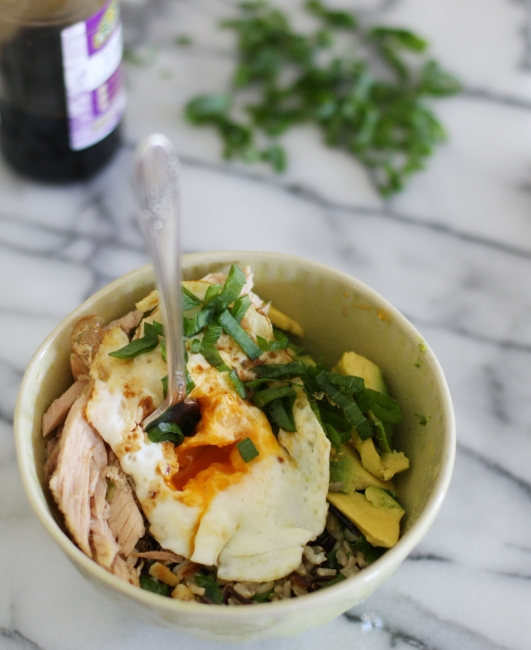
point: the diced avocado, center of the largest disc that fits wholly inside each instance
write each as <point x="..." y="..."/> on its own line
<point x="283" y="322"/>
<point x="346" y="468"/>
<point x="384" y="466"/>
<point x="378" y="520"/>
<point x="354" y="364"/>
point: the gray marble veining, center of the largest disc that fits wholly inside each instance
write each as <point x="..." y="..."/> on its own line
<point x="453" y="252"/>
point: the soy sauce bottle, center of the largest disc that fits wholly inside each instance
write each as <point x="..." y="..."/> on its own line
<point x="61" y="94"/>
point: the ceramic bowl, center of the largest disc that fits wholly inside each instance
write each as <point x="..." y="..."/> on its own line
<point x="338" y="313"/>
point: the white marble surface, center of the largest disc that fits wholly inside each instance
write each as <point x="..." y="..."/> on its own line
<point x="453" y="252"/>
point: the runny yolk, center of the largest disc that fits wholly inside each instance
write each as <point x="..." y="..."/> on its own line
<point x="196" y="459"/>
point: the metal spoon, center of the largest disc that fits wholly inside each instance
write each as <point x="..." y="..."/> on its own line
<point x="158" y="191"/>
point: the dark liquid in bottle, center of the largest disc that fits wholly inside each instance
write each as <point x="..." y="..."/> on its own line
<point x="34" y="128"/>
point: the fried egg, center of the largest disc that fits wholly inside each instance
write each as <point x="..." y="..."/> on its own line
<point x="202" y="500"/>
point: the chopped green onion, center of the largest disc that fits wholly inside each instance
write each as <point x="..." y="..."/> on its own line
<point x="212" y="590"/>
<point x="351" y="383"/>
<point x="164" y="381"/>
<point x="149" y="584"/>
<point x="209" y="349"/>
<point x="338" y="578"/>
<point x="158" y="327"/>
<point x="240" y="307"/>
<point x="332" y="435"/>
<point x="146" y="343"/>
<point x="238" y="384"/>
<point x="163" y="349"/>
<point x="383" y="435"/>
<point x="189" y="300"/>
<point x="371" y="553"/>
<point x="192" y="326"/>
<point x="281" y="410"/>
<point x="384" y="407"/>
<point x="422" y="419"/>
<point x="211" y="293"/>
<point x="247" y="449"/>
<point x="281" y="342"/>
<point x="230" y="290"/>
<point x="196" y="346"/>
<point x="275" y="370"/>
<point x="298" y="350"/>
<point x="266" y="396"/>
<point x="349" y="406"/>
<point x="263" y="598"/>
<point x="166" y="432"/>
<point x="238" y="334"/>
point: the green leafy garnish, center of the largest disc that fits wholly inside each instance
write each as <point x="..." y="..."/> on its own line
<point x="422" y="419"/>
<point x="238" y="384"/>
<point x="370" y="97"/>
<point x="339" y="578"/>
<point x="281" y="411"/>
<point x="150" y="584"/>
<point x="281" y="342"/>
<point x="231" y="326"/>
<point x="371" y="553"/>
<point x="209" y="349"/>
<point x="263" y="598"/>
<point x="189" y="300"/>
<point x="247" y="449"/>
<point x="166" y="432"/>
<point x="276" y="370"/>
<point x="384" y="407"/>
<point x="351" y="410"/>
<point x="146" y="343"/>
<point x="195" y="346"/>
<point x="240" y="307"/>
<point x="212" y="590"/>
<point x="264" y="397"/>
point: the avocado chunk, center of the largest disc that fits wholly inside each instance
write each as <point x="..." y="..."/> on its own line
<point x="375" y="513"/>
<point x="283" y="322"/>
<point x="384" y="466"/>
<point x="346" y="468"/>
<point x="358" y="366"/>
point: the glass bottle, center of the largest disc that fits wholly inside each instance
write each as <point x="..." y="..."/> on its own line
<point x="61" y="93"/>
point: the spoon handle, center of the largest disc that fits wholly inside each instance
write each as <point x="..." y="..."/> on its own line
<point x="158" y="188"/>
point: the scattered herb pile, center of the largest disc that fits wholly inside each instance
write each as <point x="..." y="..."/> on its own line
<point x="339" y="402"/>
<point x="367" y="88"/>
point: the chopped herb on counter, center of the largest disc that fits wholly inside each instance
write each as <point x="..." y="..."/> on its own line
<point x="374" y="105"/>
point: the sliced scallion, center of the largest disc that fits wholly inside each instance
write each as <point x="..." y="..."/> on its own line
<point x="211" y="293"/>
<point x="240" y="307"/>
<point x="189" y="300"/>
<point x="276" y="370"/>
<point x="279" y="410"/>
<point x="195" y="347"/>
<point x="264" y="397"/>
<point x="231" y="289"/>
<point x="238" y="334"/>
<point x="209" y="349"/>
<point x="349" y="406"/>
<point x="166" y="432"/>
<point x="247" y="449"/>
<point x="192" y="326"/>
<point x="146" y="343"/>
<point x="150" y="584"/>
<point x="384" y="407"/>
<point x="238" y="384"/>
<point x="212" y="590"/>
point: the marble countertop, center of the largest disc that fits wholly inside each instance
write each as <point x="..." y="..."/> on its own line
<point x="452" y="252"/>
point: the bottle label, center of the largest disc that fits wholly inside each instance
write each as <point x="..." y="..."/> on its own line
<point x="95" y="96"/>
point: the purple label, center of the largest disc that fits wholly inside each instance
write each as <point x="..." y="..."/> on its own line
<point x="102" y="26"/>
<point x="92" y="54"/>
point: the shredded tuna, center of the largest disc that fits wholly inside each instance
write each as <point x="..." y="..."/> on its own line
<point x="128" y="322"/>
<point x="52" y="454"/>
<point x="125" y="519"/>
<point x="59" y="408"/>
<point x="81" y="453"/>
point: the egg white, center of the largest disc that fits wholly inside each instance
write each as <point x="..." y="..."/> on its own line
<point x="256" y="526"/>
